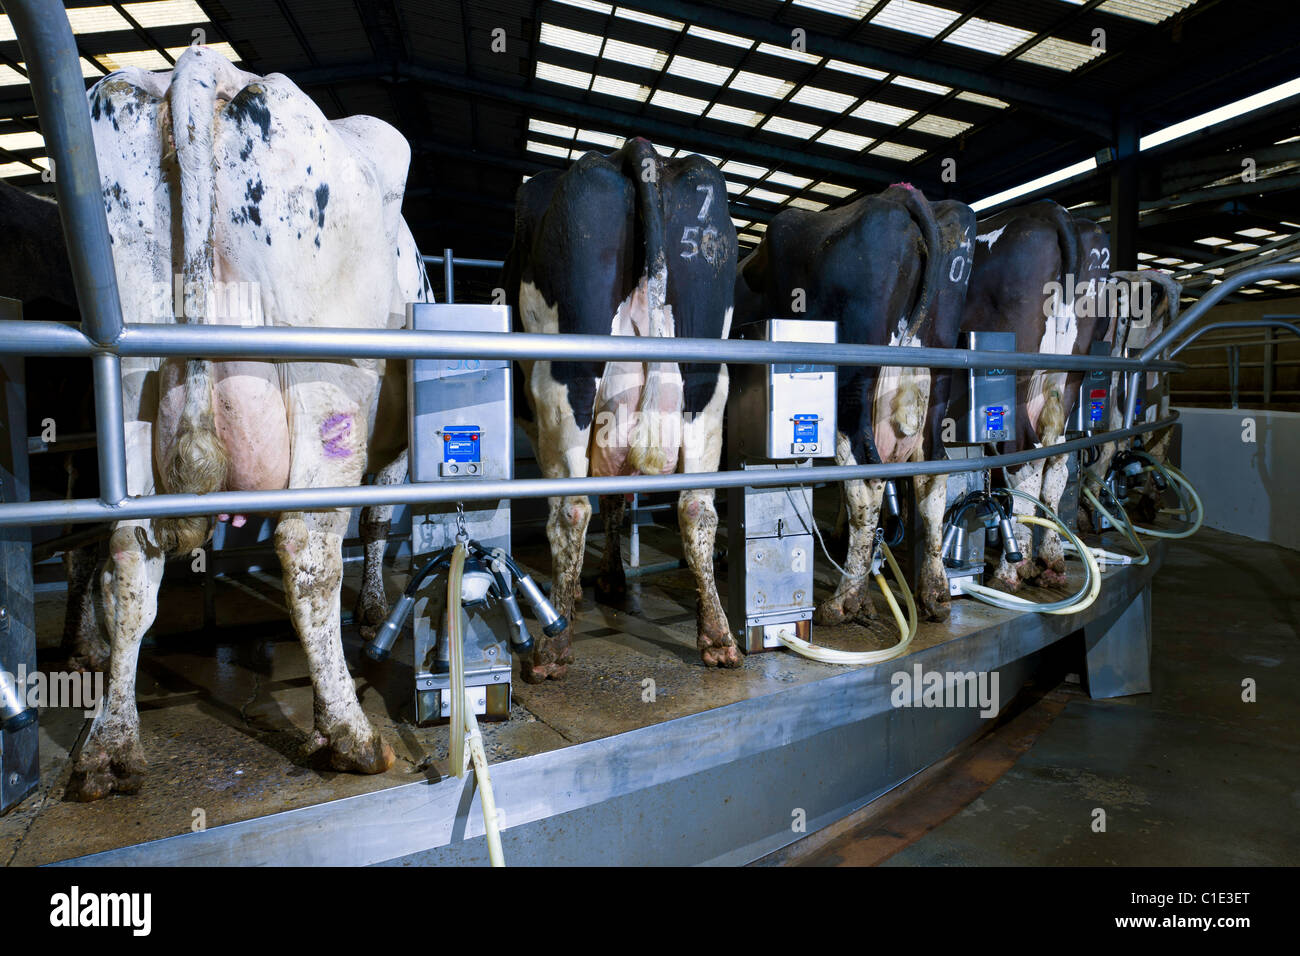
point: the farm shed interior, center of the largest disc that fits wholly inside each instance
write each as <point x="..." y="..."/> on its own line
<point x="806" y="105"/>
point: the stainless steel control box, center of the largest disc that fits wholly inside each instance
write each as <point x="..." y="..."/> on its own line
<point x="788" y="409"/>
<point x="461" y="430"/>
<point x="779" y="417"/>
<point x="987" y="397"/>
<point x="1092" y="409"/>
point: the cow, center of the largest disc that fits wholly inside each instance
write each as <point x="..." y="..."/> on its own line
<point x="1037" y="274"/>
<point x="34" y="269"/>
<point x="1144" y="318"/>
<point x="624" y="243"/>
<point x="213" y="175"/>
<point x="888" y="269"/>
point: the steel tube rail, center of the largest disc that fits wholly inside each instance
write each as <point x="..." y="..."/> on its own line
<point x="1244" y="324"/>
<point x="449" y="492"/>
<point x="279" y="342"/>
<point x="54" y="71"/>
<point x="468" y="263"/>
<point x="1278" y="270"/>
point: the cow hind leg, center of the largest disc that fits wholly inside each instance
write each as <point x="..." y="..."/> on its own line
<point x="566" y="528"/>
<point x="851" y="599"/>
<point x="83" y="646"/>
<point x="112" y="759"/>
<point x="310" y="547"/>
<point x="932" y="583"/>
<point x="1051" y="556"/>
<point x="611" y="583"/>
<point x="375" y="524"/>
<point x="1028" y="479"/>
<point x="698" y="519"/>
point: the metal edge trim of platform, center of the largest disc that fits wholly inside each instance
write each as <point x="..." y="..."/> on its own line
<point x="397" y="822"/>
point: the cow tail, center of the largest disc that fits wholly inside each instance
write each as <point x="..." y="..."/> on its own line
<point x="197" y="462"/>
<point x="932" y="278"/>
<point x="647" y="451"/>
<point x="1068" y="238"/>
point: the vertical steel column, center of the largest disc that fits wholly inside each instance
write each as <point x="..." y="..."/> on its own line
<point x="1124" y="195"/>
<point x="1269" y="358"/>
<point x="448" y="276"/>
<point x="59" y="91"/>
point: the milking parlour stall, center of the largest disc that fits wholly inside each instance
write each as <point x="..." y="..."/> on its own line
<point x="567" y="433"/>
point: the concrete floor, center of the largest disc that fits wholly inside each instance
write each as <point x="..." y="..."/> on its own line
<point x="1187" y="775"/>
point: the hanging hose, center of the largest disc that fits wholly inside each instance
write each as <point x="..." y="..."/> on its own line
<point x="1077" y="602"/>
<point x="1122" y="523"/>
<point x="906" y="627"/>
<point x="463" y="723"/>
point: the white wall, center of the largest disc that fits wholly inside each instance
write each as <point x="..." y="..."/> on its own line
<point x="1248" y="488"/>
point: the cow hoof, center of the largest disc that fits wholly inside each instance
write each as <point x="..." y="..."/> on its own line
<point x="837" y="610"/>
<point x="368" y="615"/>
<point x="1006" y="580"/>
<point x="102" y="770"/>
<point x="612" y="593"/>
<point x="1051" y="578"/>
<point x="1147" y="509"/>
<point x="728" y="655"/>
<point x="351" y="754"/>
<point x="540" y="673"/>
<point x="936" y="606"/>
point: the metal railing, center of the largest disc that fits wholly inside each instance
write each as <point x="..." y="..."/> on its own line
<point x="448" y="261"/>
<point x="58" y="89"/>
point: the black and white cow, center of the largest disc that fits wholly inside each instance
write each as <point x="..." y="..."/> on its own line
<point x="624" y="244"/>
<point x="1038" y="274"/>
<point x="34" y="269"/>
<point x="889" y="269"/>
<point x="224" y="177"/>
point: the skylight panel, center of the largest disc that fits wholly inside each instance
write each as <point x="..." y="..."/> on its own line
<point x="833" y="189"/>
<point x="23" y="140"/>
<point x="922" y="85"/>
<point x="10" y="77"/>
<point x="739" y="223"/>
<point x="883" y="113"/>
<point x="810" y="204"/>
<point x="547" y="149"/>
<point x="165" y="13"/>
<point x="843" y="140"/>
<point x="626" y="13"/>
<point x="734" y="114"/>
<point x="789" y="179"/>
<point x="567" y="39"/>
<point x="789" y="127"/>
<point x="563" y="75"/>
<point x="940" y="126"/>
<point x="1148" y="11"/>
<point x="766" y="195"/>
<point x="760" y="85"/>
<point x="550" y="129"/>
<point x="1146" y="255"/>
<point x="853" y="9"/>
<point x="676" y="101"/>
<point x="1242" y="246"/>
<point x="9" y="170"/>
<point x="633" y="54"/>
<point x="789" y="54"/>
<point x="987" y="36"/>
<point x="844" y="66"/>
<point x="1211" y="241"/>
<point x="96" y="20"/>
<point x="699" y="70"/>
<point x="141" y="59"/>
<point x="718" y="36"/>
<point x="1255" y="233"/>
<point x="983" y="100"/>
<point x="620" y="88"/>
<point x="609" y="140"/>
<point x="587" y="5"/>
<point x="828" y="100"/>
<point x="6" y="29"/>
<point x="749" y="170"/>
<point x="897" y="151"/>
<point x="759" y="227"/>
<point x="734" y="187"/>
<point x="908" y="16"/>
<point x="1058" y="54"/>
